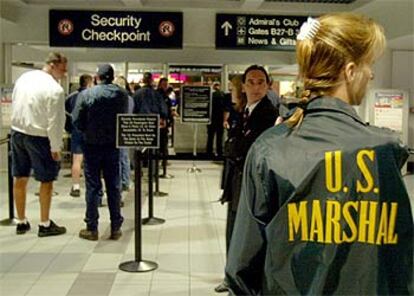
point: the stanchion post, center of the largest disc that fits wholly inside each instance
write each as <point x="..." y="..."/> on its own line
<point x="9" y="168"/>
<point x="138" y="265"/>
<point x="157" y="175"/>
<point x="194" y="168"/>
<point x="151" y="220"/>
<point x="10" y="220"/>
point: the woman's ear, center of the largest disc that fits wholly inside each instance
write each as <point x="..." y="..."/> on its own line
<point x="350" y="71"/>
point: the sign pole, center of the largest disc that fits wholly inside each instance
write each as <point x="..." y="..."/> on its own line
<point x="141" y="132"/>
<point x="138" y="265"/>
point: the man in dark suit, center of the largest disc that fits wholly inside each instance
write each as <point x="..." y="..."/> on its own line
<point x="259" y="115"/>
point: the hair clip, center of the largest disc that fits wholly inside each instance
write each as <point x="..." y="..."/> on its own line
<point x="308" y="29"/>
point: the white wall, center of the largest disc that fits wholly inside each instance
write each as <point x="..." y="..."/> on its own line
<point x="403" y="78"/>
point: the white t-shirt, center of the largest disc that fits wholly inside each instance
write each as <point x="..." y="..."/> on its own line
<point x="38" y="107"/>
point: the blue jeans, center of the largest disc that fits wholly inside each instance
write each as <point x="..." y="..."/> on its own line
<point x="105" y="159"/>
<point x="125" y="169"/>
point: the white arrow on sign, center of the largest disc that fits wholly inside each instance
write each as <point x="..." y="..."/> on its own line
<point x="226" y="26"/>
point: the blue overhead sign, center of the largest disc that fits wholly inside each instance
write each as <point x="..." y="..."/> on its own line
<point x="262" y="32"/>
<point x="120" y="29"/>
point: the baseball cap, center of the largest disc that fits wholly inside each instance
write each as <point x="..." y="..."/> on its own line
<point x="105" y="72"/>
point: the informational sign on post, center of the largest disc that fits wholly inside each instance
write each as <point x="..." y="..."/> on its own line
<point x="389" y="108"/>
<point x="261" y="32"/>
<point x="127" y="29"/>
<point x="5" y="106"/>
<point x="137" y="130"/>
<point x="195" y="104"/>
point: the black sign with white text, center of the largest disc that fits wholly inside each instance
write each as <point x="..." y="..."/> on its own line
<point x="120" y="29"/>
<point x="263" y="32"/>
<point x="137" y="130"/>
<point x="195" y="104"/>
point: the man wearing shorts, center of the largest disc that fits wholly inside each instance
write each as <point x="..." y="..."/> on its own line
<point x="38" y="117"/>
<point x="76" y="140"/>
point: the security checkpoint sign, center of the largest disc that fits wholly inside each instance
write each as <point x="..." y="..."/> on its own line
<point x="120" y="29"/>
<point x="137" y="130"/>
<point x="260" y="32"/>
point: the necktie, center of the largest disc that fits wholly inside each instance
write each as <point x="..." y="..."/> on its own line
<point x="245" y="118"/>
<point x="246" y="113"/>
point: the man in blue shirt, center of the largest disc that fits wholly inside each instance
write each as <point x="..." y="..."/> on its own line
<point x="95" y="115"/>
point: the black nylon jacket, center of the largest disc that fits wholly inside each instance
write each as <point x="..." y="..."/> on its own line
<point x="323" y="210"/>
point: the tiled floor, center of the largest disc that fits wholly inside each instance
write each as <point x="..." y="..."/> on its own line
<point x="189" y="247"/>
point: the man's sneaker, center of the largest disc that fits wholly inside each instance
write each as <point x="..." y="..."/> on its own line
<point x="53" y="229"/>
<point x="89" y="234"/>
<point x="22" y="228"/>
<point x="115" y="234"/>
<point x="74" y="192"/>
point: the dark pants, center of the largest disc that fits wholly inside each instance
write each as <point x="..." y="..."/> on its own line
<point x="163" y="151"/>
<point x="105" y="159"/>
<point x="213" y="130"/>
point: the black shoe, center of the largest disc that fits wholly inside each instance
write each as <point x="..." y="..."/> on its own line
<point x="53" y="229"/>
<point x="22" y="228"/>
<point x="125" y="188"/>
<point x="121" y="204"/>
<point x="115" y="234"/>
<point x="223" y="287"/>
<point x="89" y="234"/>
<point x="74" y="192"/>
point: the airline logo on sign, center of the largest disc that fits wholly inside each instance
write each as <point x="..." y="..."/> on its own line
<point x="127" y="29"/>
<point x="265" y="32"/>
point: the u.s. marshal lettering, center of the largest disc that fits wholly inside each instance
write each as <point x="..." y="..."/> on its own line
<point x="325" y="219"/>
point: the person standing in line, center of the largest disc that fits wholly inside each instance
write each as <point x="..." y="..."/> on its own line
<point x="125" y="166"/>
<point x="163" y="90"/>
<point x="38" y="118"/>
<point x="215" y="128"/>
<point x="258" y="114"/>
<point x="233" y="161"/>
<point x="148" y="101"/>
<point x="76" y="139"/>
<point x="323" y="207"/>
<point x="95" y="116"/>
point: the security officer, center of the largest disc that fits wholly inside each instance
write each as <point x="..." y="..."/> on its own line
<point x="323" y="208"/>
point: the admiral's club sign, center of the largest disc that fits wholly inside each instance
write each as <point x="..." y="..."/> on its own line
<point x="127" y="29"/>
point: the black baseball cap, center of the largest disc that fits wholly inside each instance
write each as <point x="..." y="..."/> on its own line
<point x="105" y="72"/>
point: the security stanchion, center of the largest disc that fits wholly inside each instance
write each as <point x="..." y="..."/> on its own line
<point x="151" y="220"/>
<point x="157" y="192"/>
<point x="9" y="221"/>
<point x="194" y="168"/>
<point x="138" y="265"/>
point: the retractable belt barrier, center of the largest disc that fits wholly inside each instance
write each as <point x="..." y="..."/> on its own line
<point x="10" y="220"/>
